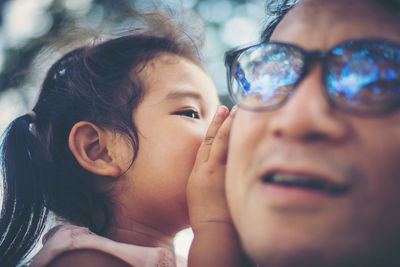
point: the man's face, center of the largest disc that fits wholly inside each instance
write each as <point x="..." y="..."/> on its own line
<point x="307" y="138"/>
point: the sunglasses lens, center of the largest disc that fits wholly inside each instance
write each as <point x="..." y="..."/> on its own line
<point x="364" y="77"/>
<point x="264" y="75"/>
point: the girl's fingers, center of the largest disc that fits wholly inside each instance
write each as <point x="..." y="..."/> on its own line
<point x="219" y="147"/>
<point x="205" y="147"/>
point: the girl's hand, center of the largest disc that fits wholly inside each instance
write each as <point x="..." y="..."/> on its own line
<point x="206" y="185"/>
<point x="215" y="242"/>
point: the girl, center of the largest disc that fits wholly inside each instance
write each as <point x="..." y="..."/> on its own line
<point x="110" y="145"/>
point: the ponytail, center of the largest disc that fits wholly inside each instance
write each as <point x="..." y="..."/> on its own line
<point x="23" y="213"/>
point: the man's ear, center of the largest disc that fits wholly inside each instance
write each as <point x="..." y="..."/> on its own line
<point x="89" y="145"/>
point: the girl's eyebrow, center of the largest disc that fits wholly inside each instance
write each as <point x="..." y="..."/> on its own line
<point x="183" y="94"/>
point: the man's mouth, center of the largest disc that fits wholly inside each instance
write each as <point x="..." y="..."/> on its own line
<point x="305" y="182"/>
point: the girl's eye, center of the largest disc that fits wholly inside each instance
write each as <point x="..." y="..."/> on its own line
<point x="188" y="113"/>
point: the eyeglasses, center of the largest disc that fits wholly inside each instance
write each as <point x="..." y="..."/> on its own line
<point x="360" y="77"/>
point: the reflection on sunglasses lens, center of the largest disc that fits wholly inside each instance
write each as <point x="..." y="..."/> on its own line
<point x="365" y="77"/>
<point x="265" y="75"/>
<point x="361" y="76"/>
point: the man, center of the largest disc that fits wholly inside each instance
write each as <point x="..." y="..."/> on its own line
<point x="313" y="173"/>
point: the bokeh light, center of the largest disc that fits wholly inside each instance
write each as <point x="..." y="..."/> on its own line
<point x="25" y="19"/>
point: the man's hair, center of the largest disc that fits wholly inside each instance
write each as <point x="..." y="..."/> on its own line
<point x="276" y="10"/>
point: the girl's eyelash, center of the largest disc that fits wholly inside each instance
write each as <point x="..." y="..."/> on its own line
<point x="188" y="113"/>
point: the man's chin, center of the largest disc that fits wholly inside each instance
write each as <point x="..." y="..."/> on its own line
<point x="297" y="257"/>
<point x="311" y="251"/>
<point x="298" y="249"/>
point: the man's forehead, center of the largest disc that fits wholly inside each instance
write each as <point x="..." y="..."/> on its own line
<point x="375" y="8"/>
<point x="321" y="8"/>
<point x="326" y="14"/>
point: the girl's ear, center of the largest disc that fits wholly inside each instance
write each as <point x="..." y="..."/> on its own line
<point x="90" y="146"/>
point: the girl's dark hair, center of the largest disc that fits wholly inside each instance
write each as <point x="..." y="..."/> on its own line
<point x="277" y="9"/>
<point x="96" y="83"/>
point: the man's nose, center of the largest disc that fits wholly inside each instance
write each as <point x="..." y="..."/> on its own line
<point x="307" y="115"/>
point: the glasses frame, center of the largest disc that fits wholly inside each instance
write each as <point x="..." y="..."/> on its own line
<point x="310" y="59"/>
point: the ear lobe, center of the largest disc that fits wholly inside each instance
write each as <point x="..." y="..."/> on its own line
<point x="89" y="145"/>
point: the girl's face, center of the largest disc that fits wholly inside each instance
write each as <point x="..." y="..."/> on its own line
<point x="179" y="103"/>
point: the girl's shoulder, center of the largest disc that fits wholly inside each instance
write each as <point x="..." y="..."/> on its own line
<point x="87" y="258"/>
<point x="71" y="245"/>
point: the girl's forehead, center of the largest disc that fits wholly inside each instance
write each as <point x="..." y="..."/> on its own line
<point x="154" y="70"/>
<point x="171" y="73"/>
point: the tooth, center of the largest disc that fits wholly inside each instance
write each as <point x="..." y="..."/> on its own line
<point x="284" y="177"/>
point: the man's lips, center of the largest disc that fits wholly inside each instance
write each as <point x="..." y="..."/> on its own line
<point x="305" y="181"/>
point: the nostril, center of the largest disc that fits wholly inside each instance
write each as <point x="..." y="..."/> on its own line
<point x="278" y="133"/>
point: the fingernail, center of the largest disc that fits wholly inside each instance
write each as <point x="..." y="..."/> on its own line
<point x="221" y="110"/>
<point x="234" y="109"/>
